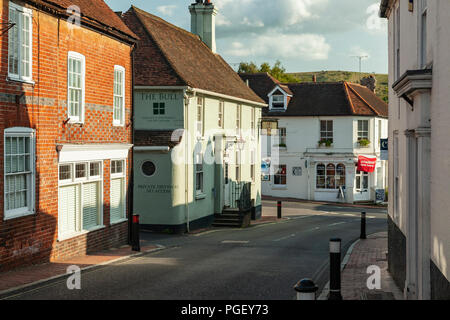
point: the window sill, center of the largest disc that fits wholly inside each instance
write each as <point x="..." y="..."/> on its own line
<point x="12" y="216"/>
<point x="200" y="196"/>
<point x="118" y="125"/>
<point x="118" y="221"/>
<point x="78" y="234"/>
<point x="11" y="79"/>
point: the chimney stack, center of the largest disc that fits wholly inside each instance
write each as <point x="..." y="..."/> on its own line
<point x="203" y="22"/>
<point x="314" y="78"/>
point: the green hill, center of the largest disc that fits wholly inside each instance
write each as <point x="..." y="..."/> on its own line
<point x="334" y="76"/>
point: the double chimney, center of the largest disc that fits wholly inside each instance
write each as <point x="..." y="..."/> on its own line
<point x="203" y="22"/>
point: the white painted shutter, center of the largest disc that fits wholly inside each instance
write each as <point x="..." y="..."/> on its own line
<point x="68" y="209"/>
<point x="117" y="201"/>
<point x="91" y="205"/>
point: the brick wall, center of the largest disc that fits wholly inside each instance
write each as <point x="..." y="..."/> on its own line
<point x="43" y="106"/>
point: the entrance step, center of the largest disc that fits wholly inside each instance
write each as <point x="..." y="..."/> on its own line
<point x="232" y="219"/>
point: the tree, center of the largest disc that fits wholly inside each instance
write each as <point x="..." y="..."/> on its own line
<point x="277" y="71"/>
<point x="245" y="67"/>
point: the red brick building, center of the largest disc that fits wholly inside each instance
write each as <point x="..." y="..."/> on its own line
<point x="65" y="129"/>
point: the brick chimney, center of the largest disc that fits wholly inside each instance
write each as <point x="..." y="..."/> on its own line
<point x="370" y="82"/>
<point x="314" y="78"/>
<point x="203" y="22"/>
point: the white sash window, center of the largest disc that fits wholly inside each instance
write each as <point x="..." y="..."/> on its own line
<point x="119" y="96"/>
<point x="118" y="191"/>
<point x="20" y="43"/>
<point x="19" y="172"/>
<point x="76" y="84"/>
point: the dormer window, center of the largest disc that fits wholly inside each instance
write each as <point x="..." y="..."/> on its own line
<point x="278" y="102"/>
<point x="278" y="99"/>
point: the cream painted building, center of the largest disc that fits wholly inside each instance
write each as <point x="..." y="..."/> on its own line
<point x="197" y="143"/>
<point x="419" y="182"/>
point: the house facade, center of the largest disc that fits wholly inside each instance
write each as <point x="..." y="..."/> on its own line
<point x="196" y="126"/>
<point x="419" y="219"/>
<point x="65" y="127"/>
<point x="322" y="140"/>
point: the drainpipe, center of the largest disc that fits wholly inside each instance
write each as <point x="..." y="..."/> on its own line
<point x="186" y="162"/>
<point x="131" y="183"/>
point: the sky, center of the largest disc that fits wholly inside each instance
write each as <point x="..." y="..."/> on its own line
<point x="305" y="35"/>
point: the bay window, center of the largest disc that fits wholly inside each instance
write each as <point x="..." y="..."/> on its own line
<point x="80" y="200"/>
<point x="19" y="172"/>
<point x="330" y="176"/>
<point x="20" y="43"/>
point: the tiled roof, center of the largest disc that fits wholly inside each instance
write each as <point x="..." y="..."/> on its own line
<point x="261" y="83"/>
<point x="155" y="138"/>
<point x="95" y="13"/>
<point x="183" y="59"/>
<point x="321" y="98"/>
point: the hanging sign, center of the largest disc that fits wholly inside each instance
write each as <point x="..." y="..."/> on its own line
<point x="384" y="152"/>
<point x="366" y="164"/>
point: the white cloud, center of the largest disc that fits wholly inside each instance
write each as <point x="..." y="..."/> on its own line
<point x="358" y="51"/>
<point x="302" y="46"/>
<point x="167" y="10"/>
<point x="374" y="23"/>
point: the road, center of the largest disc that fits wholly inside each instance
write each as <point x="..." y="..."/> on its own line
<point x="261" y="262"/>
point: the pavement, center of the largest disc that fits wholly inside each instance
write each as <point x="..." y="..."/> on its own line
<point x="262" y="262"/>
<point x="359" y="263"/>
<point x="35" y="275"/>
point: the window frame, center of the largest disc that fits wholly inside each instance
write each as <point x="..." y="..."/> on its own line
<point x="119" y="175"/>
<point x="422" y="32"/>
<point x="362" y="175"/>
<point x="21" y="132"/>
<point x="77" y="56"/>
<point x="397" y="19"/>
<point x="278" y="105"/>
<point x="253" y="165"/>
<point x="200" y="124"/>
<point x="74" y="181"/>
<point x="281" y="175"/>
<point x="336" y="177"/>
<point x="159" y="108"/>
<point x="359" y="136"/>
<point x="221" y="114"/>
<point x="121" y="121"/>
<point x="199" y="163"/>
<point x="238" y="119"/>
<point x="325" y="134"/>
<point x="21" y="11"/>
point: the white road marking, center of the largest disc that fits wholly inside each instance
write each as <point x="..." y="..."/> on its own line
<point x="336" y="224"/>
<point x="235" y="241"/>
<point x="284" y="238"/>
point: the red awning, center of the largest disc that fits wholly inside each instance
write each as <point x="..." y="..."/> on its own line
<point x="366" y="164"/>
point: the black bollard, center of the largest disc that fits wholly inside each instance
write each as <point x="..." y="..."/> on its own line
<point x="363" y="226"/>
<point x="335" y="270"/>
<point x="135" y="239"/>
<point x="279" y="206"/>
